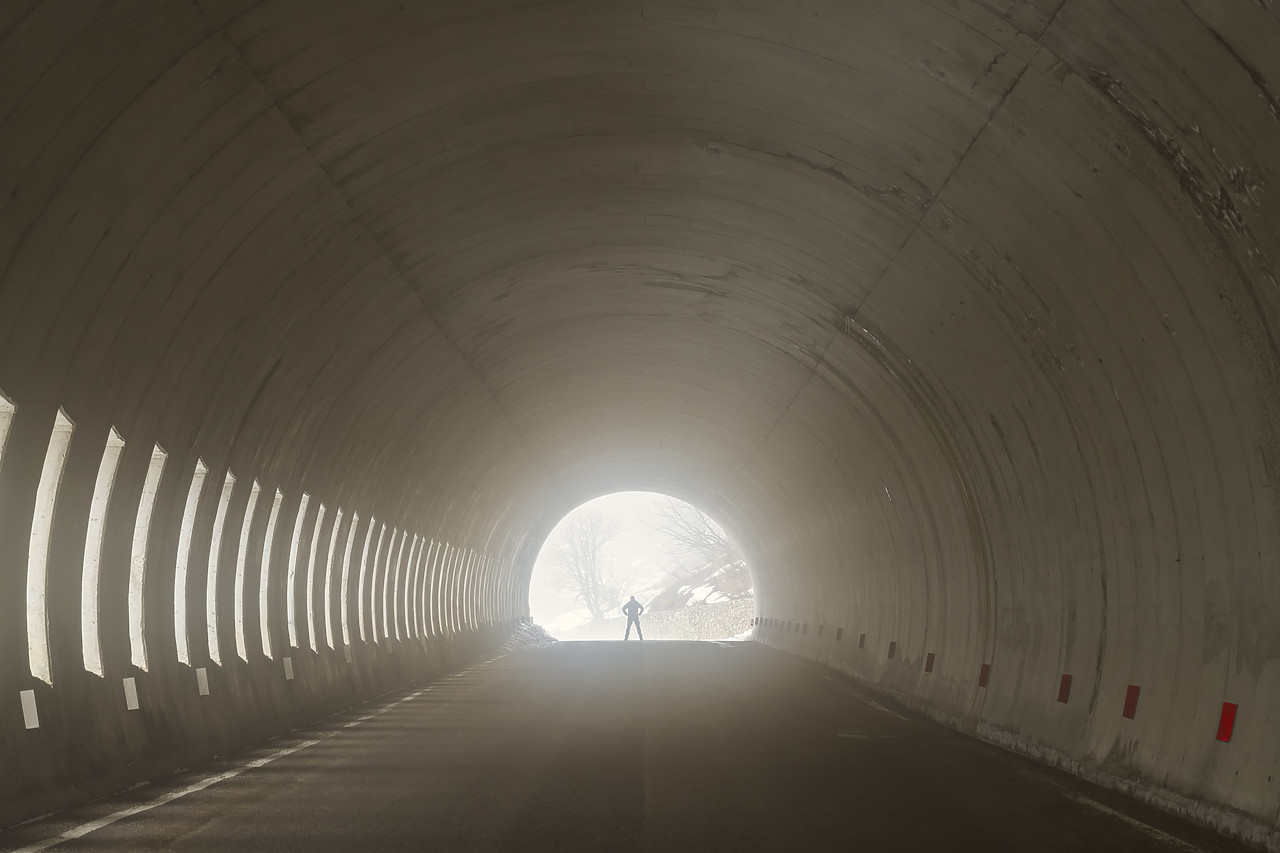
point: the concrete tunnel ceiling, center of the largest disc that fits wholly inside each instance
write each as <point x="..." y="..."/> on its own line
<point x="959" y="315"/>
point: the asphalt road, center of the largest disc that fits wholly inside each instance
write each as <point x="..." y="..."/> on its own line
<point x="610" y="746"/>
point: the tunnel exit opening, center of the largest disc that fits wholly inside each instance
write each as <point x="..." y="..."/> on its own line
<point x="689" y="575"/>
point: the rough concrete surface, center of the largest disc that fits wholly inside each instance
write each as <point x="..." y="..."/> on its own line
<point x="959" y="315"/>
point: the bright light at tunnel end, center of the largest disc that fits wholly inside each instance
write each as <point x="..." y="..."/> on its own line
<point x="666" y="552"/>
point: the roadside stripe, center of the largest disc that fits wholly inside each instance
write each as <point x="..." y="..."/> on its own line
<point x="209" y="781"/>
<point x="1157" y="834"/>
<point x="879" y="707"/>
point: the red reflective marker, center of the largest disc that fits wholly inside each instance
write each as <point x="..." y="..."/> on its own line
<point x="839" y="634"/>
<point x="984" y="675"/>
<point x="893" y="647"/>
<point x="1131" y="701"/>
<point x="928" y="663"/>
<point x="1227" y="722"/>
<point x="1064" y="689"/>
<point x="862" y="641"/>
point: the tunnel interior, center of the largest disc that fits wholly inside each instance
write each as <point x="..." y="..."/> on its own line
<point x="316" y="317"/>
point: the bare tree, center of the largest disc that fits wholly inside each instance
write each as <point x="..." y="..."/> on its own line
<point x="581" y="569"/>
<point x="700" y="543"/>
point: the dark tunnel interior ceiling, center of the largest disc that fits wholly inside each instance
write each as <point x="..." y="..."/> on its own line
<point x="316" y="316"/>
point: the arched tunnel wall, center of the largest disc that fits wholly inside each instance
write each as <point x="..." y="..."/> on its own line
<point x="960" y="316"/>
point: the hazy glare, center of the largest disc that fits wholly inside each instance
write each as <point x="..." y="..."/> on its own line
<point x="637" y="556"/>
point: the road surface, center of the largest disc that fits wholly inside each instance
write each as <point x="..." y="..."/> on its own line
<point x="660" y="746"/>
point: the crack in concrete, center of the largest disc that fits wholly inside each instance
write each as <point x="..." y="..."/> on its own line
<point x="718" y="144"/>
<point x="1214" y="204"/>
<point x="986" y="72"/>
<point x="688" y="287"/>
<point x="1264" y="90"/>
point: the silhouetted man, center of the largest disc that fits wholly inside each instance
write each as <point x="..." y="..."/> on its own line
<point x="633" y="609"/>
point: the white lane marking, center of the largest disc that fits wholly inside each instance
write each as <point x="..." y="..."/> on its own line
<point x="195" y="787"/>
<point x="1157" y="834"/>
<point x="209" y="781"/>
<point x="879" y="707"/>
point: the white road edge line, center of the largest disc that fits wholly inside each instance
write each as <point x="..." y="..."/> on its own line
<point x="195" y="787"/>
<point x="1160" y="835"/>
<point x="208" y="782"/>
<point x="879" y="707"/>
